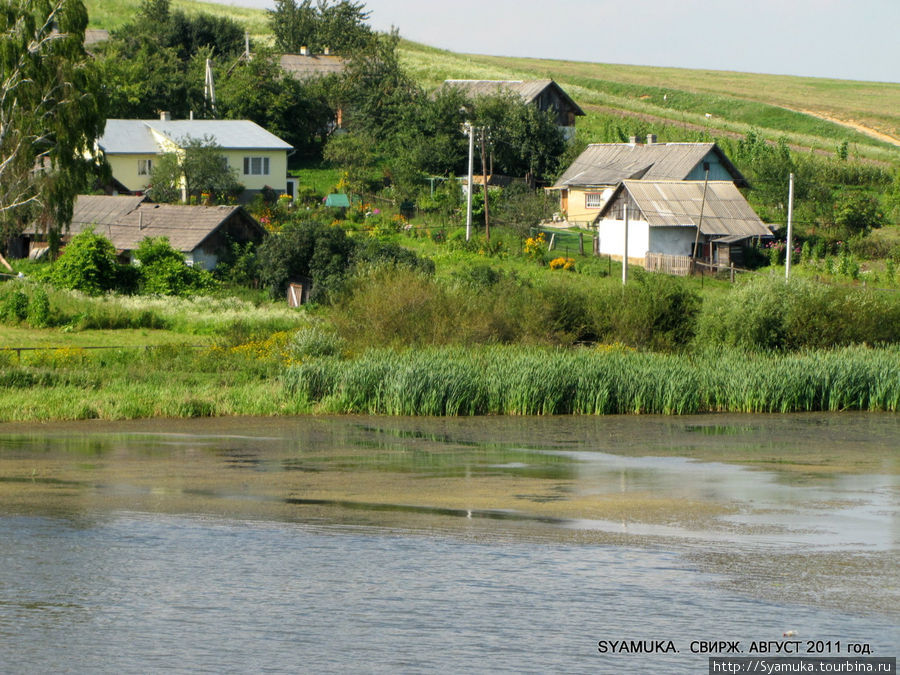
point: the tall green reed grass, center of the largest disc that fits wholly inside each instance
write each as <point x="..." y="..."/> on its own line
<point x="502" y="380"/>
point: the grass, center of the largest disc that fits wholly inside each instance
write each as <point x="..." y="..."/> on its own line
<point x="522" y="381"/>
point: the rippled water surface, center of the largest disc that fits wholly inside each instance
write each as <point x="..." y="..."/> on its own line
<point x="395" y="545"/>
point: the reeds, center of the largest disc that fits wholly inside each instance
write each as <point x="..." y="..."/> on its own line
<point x="537" y="381"/>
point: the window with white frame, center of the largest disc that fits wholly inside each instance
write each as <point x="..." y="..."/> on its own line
<point x="145" y="166"/>
<point x="593" y="200"/>
<point x="256" y="166"/>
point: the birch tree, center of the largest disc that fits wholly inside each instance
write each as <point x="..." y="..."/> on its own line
<point x="51" y="113"/>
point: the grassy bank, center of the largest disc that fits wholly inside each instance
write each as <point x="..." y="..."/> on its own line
<point x="599" y="381"/>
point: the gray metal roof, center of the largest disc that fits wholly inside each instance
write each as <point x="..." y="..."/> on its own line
<point x="185" y="226"/>
<point x="606" y="164"/>
<point x="304" y="67"/>
<point x="678" y="203"/>
<point x="527" y="90"/>
<point x="135" y="136"/>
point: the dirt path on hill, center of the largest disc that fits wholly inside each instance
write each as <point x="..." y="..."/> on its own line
<point x="850" y="124"/>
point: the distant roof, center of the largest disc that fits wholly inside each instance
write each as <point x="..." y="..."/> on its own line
<point x="306" y="66"/>
<point x="527" y="90"/>
<point x="678" y="203"/>
<point x="610" y="163"/>
<point x="135" y="136"/>
<point x="126" y="221"/>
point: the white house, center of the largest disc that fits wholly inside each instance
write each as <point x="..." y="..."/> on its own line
<point x="664" y="217"/>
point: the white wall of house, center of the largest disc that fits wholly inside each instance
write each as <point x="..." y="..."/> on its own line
<point x="612" y="238"/>
<point x="200" y="258"/>
<point x="672" y="240"/>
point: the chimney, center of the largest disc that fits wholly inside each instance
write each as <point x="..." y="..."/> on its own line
<point x="165" y="116"/>
<point x="634" y="140"/>
<point x="304" y="50"/>
<point x="651" y="139"/>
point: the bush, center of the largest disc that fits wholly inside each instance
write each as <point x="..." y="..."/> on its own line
<point x="163" y="270"/>
<point x="15" y="306"/>
<point x="769" y="314"/>
<point x="39" y="308"/>
<point x="88" y="264"/>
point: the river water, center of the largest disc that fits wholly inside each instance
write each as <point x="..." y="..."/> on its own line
<point x="360" y="544"/>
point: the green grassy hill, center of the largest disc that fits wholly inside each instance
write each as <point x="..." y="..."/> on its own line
<point x="675" y="103"/>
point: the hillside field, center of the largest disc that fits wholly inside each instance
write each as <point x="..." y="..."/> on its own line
<point x="815" y="113"/>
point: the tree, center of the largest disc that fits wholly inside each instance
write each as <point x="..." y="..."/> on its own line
<point x="198" y="168"/>
<point x="305" y="251"/>
<point x="522" y="208"/>
<point x="340" y="26"/>
<point x="51" y="112"/>
<point x="261" y="91"/>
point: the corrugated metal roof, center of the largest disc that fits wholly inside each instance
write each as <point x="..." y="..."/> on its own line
<point x="135" y="136"/>
<point x="678" y="203"/>
<point x="606" y="164"/>
<point x="128" y="137"/>
<point x="185" y="226"/>
<point x="304" y="67"/>
<point x="527" y="90"/>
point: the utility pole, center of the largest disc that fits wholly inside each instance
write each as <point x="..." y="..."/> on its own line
<point x="625" y="250"/>
<point x="702" y="205"/>
<point x="209" y="88"/>
<point x="789" y="247"/>
<point x="471" y="130"/>
<point x="484" y="178"/>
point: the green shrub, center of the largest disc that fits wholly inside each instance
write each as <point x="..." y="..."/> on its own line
<point x="163" y="270"/>
<point x="316" y="341"/>
<point x="88" y="264"/>
<point x="15" y="306"/>
<point x="39" y="308"/>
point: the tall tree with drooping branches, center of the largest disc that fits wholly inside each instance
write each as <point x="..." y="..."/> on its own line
<point x="51" y="113"/>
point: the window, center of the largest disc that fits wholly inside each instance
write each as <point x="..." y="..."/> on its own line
<point x="593" y="200"/>
<point x="145" y="166"/>
<point x="256" y="166"/>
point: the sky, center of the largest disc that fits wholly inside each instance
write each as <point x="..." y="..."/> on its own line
<point x="843" y="39"/>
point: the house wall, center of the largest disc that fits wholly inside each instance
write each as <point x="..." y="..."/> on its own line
<point x="716" y="170"/>
<point x="275" y="179"/>
<point x="125" y="170"/>
<point x="672" y="240"/>
<point x="576" y="208"/>
<point x="612" y="238"/>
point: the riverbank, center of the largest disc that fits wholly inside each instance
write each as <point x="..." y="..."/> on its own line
<point x="271" y="377"/>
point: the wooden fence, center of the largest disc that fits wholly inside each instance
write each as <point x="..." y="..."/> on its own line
<point x="679" y="265"/>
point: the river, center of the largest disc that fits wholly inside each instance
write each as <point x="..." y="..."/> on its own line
<point x="337" y="544"/>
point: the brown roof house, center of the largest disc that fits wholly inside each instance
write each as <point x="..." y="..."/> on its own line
<point x="545" y="94"/>
<point x="666" y="218"/>
<point x="590" y="180"/>
<point x="201" y="233"/>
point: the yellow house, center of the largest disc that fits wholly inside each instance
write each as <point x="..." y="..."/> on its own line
<point x="258" y="158"/>
<point x="587" y="185"/>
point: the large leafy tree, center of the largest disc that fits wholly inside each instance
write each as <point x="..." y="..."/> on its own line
<point x="261" y="91"/>
<point x="200" y="167"/>
<point x="340" y="26"/>
<point x="51" y="112"/>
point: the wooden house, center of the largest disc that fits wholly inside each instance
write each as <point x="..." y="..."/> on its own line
<point x="590" y="180"/>
<point x="547" y="95"/>
<point x="201" y="233"/>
